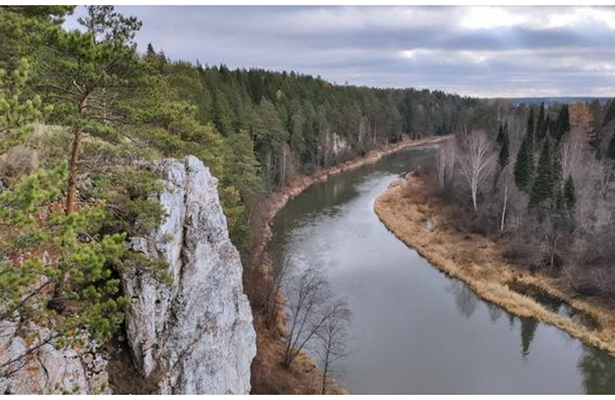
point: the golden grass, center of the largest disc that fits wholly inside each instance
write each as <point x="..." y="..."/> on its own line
<point x="480" y="264"/>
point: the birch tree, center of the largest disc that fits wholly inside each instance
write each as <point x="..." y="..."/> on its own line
<point x="475" y="159"/>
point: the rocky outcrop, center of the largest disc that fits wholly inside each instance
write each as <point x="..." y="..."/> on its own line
<point x="47" y="370"/>
<point x="192" y="332"/>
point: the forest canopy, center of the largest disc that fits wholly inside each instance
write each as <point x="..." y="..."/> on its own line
<point x="84" y="115"/>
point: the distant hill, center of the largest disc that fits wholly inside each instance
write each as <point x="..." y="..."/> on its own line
<point x="552" y="100"/>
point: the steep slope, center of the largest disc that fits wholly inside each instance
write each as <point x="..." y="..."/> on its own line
<point x="193" y="335"/>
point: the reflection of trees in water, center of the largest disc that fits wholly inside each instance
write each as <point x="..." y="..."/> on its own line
<point x="465" y="299"/>
<point x="511" y="320"/>
<point x="495" y="312"/>
<point x="528" y="329"/>
<point x="598" y="369"/>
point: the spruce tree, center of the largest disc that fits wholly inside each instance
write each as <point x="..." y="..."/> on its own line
<point x="594" y="143"/>
<point x="569" y="194"/>
<point x="504" y="156"/>
<point x="541" y="123"/>
<point x="610" y="113"/>
<point x="524" y="167"/>
<point x="562" y="124"/>
<point x="530" y="129"/>
<point x="542" y="189"/>
<point x="500" y="136"/>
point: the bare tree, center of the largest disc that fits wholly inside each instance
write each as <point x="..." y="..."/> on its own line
<point x="311" y="307"/>
<point x="475" y="159"/>
<point x="276" y="279"/>
<point x="332" y="341"/>
<point x="445" y="158"/>
<point x="570" y="154"/>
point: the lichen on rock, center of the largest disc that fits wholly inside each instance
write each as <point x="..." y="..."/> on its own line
<point x="193" y="335"/>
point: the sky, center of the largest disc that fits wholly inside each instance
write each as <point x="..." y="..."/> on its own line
<point x="474" y="51"/>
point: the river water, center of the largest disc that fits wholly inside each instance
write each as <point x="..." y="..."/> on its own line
<point x="414" y="330"/>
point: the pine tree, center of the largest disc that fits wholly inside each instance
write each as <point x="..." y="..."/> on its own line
<point x="542" y="189"/>
<point x="75" y="244"/>
<point x="18" y="109"/>
<point x="93" y="67"/>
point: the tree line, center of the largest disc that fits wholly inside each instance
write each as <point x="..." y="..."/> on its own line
<point x="542" y="184"/>
<point x="83" y="115"/>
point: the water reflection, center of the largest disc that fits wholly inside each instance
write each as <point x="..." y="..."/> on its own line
<point x="597" y="367"/>
<point x="414" y="329"/>
<point x="495" y="312"/>
<point x="598" y="370"/>
<point x="528" y="330"/>
<point x="465" y="299"/>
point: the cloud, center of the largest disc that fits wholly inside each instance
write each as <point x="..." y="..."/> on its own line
<point x="486" y="51"/>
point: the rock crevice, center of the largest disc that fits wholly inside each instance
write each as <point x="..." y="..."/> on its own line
<point x="194" y="334"/>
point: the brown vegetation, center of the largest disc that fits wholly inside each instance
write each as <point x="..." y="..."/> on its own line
<point x="268" y="373"/>
<point x="453" y="245"/>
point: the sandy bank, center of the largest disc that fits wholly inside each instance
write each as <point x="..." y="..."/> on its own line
<point x="480" y="264"/>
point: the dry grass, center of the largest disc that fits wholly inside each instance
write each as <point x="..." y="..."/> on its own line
<point x="480" y="263"/>
<point x="268" y="374"/>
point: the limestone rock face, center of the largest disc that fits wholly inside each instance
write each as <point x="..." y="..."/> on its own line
<point x="47" y="370"/>
<point x="194" y="334"/>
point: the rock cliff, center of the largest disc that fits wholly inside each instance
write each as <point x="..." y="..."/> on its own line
<point x="194" y="334"/>
<point x="48" y="370"/>
<point x="191" y="333"/>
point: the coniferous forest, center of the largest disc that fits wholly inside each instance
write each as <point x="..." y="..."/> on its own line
<point x="84" y="112"/>
<point x="86" y="116"/>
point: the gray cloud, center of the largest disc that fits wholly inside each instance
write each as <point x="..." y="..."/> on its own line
<point x="485" y="51"/>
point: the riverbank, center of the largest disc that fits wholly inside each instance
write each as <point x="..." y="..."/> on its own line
<point x="268" y="376"/>
<point x="419" y="218"/>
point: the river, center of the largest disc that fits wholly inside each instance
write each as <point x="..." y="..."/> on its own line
<point x="413" y="329"/>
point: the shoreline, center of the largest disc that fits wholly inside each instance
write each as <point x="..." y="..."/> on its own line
<point x="269" y="341"/>
<point x="277" y="200"/>
<point x="479" y="263"/>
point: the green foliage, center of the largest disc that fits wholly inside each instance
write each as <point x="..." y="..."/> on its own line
<point x="562" y="123"/>
<point x="117" y="111"/>
<point x="106" y="25"/>
<point x="503" y="141"/>
<point x="610" y="113"/>
<point x="543" y="187"/>
<point x="39" y="241"/>
<point x="570" y="199"/>
<point x="18" y="106"/>
<point x="595" y="143"/>
<point x="541" y="123"/>
<point x="524" y="166"/>
<point x="24" y="29"/>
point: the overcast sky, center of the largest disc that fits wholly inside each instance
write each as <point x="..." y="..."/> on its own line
<point x="479" y="51"/>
